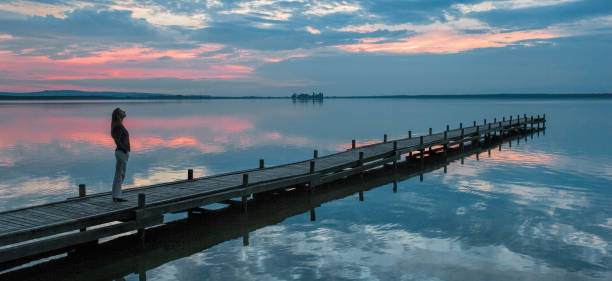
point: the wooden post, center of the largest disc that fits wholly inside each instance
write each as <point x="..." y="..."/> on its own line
<point x="430" y="131"/>
<point x="394" y="186"/>
<point x="245" y="184"/>
<point x="445" y="144"/>
<point x="82" y="190"/>
<point x="447" y="127"/>
<point x="538" y="121"/>
<point x="394" y="145"/>
<point x="360" y="158"/>
<point x="141" y="206"/>
<point x="261" y="163"/>
<point x="353" y="144"/>
<point x="312" y="166"/>
<point x="409" y="134"/>
<point x="495" y="120"/>
<point x="360" y="195"/>
<point x="82" y="193"/>
<point x="460" y="125"/>
<point x="462" y="137"/>
<point x="421" y="140"/>
<point x="190" y="174"/>
<point x="315" y="154"/>
<point x="312" y="214"/>
<point x="385" y="138"/>
<point x="485" y="122"/>
<point x="544" y="121"/>
<point x="504" y="119"/>
<point x="474" y="123"/>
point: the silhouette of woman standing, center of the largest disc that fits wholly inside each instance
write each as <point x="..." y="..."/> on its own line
<point x="122" y="140"/>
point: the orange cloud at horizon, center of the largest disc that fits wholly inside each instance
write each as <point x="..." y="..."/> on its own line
<point x="444" y="42"/>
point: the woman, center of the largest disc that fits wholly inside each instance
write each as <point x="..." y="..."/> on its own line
<point x="122" y="140"/>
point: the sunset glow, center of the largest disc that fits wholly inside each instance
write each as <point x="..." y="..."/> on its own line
<point x="275" y="48"/>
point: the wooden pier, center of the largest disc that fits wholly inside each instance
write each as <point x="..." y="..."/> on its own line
<point x="64" y="225"/>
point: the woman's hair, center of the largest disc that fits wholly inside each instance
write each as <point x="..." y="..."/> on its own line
<point x="116" y="119"/>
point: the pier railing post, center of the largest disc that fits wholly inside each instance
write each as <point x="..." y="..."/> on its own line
<point x="544" y="121"/>
<point x="462" y="138"/>
<point x="353" y="144"/>
<point x="261" y="163"/>
<point x="360" y="158"/>
<point x="385" y="138"/>
<point x="430" y="131"/>
<point x="495" y="120"/>
<point x="245" y="184"/>
<point x="460" y="125"/>
<point x="315" y="154"/>
<point x="474" y="123"/>
<point x="538" y="121"/>
<point x="82" y="193"/>
<point x="485" y="122"/>
<point x="447" y="127"/>
<point x="190" y="174"/>
<point x="445" y="144"/>
<point x="82" y="190"/>
<point x="141" y="207"/>
<point x="409" y="134"/>
<point x="396" y="154"/>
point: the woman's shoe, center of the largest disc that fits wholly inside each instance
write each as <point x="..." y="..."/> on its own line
<point x="119" y="200"/>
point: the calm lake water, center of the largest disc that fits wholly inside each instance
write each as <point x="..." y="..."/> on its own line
<point x="539" y="210"/>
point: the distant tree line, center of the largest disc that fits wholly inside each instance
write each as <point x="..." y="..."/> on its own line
<point x="303" y="96"/>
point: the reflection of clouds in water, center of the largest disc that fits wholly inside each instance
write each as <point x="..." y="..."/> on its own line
<point x="607" y="224"/>
<point x="160" y="175"/>
<point x="207" y="133"/>
<point x="7" y="160"/>
<point x="521" y="157"/>
<point x="590" y="247"/>
<point x="471" y="178"/>
<point x="32" y="191"/>
<point x="163" y="272"/>
<point x="366" y="252"/>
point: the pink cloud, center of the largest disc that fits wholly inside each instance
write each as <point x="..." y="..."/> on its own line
<point x="444" y="42"/>
<point x="133" y="62"/>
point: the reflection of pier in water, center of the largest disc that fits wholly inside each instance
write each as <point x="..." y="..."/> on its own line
<point x="58" y="226"/>
<point x="206" y="228"/>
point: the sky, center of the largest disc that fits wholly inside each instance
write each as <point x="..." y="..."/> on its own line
<point x="276" y="48"/>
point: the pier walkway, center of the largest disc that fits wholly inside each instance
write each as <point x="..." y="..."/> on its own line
<point x="60" y="225"/>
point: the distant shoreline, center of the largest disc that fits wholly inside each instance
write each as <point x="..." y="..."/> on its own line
<point x="81" y="95"/>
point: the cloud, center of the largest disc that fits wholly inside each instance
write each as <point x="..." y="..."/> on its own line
<point x="323" y="8"/>
<point x="442" y="42"/>
<point x="507" y="5"/>
<point x="159" y="15"/>
<point x="312" y="30"/>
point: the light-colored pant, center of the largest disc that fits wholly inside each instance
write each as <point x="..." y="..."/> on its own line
<point x="122" y="159"/>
